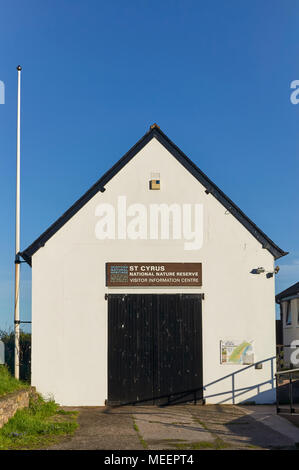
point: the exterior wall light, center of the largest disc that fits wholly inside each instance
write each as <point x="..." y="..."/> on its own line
<point x="260" y="270"/>
<point x="271" y="273"/>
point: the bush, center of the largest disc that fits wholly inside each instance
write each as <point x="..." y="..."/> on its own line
<point x="8" y="339"/>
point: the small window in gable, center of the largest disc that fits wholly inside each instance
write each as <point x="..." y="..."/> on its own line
<point x="289" y="313"/>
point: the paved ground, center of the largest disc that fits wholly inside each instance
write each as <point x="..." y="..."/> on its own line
<point x="101" y="429"/>
<point x="181" y="427"/>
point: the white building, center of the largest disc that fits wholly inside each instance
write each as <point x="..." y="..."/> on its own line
<point x="163" y="308"/>
<point x="288" y="301"/>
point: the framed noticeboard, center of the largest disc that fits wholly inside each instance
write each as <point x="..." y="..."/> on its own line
<point x="153" y="274"/>
<point x="236" y="352"/>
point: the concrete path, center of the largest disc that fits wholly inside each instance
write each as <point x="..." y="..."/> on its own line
<point x="102" y="428"/>
<point x="239" y="428"/>
<point x="266" y="414"/>
<point x="181" y="427"/>
<point x="170" y="428"/>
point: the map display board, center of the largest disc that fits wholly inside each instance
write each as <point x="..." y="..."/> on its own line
<point x="237" y="352"/>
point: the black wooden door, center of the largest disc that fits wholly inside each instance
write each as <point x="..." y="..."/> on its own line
<point x="154" y="348"/>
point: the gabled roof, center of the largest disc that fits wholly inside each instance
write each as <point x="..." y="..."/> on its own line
<point x="289" y="292"/>
<point x="211" y="188"/>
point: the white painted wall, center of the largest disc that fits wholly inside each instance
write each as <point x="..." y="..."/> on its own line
<point x="69" y="312"/>
<point x="290" y="332"/>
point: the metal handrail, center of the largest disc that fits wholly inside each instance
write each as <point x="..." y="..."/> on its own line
<point x="290" y="372"/>
<point x="287" y="371"/>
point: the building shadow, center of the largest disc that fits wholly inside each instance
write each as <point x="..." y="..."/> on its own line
<point x="233" y="394"/>
<point x="230" y="394"/>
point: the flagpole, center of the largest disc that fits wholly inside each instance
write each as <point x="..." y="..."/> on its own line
<point x="17" y="264"/>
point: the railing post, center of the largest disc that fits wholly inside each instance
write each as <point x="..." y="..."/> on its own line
<point x="288" y="374"/>
<point x="291" y="394"/>
<point x="277" y="399"/>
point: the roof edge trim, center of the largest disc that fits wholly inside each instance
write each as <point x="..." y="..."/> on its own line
<point x="155" y="132"/>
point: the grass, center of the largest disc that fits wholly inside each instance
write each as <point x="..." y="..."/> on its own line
<point x="41" y="424"/>
<point x="142" y="441"/>
<point x="217" y="444"/>
<point x="8" y="383"/>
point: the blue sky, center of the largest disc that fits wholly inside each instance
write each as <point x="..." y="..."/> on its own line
<point x="214" y="75"/>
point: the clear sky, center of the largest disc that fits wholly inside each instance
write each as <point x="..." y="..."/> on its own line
<point x="215" y="75"/>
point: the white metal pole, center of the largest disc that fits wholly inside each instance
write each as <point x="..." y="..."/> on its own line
<point x="17" y="264"/>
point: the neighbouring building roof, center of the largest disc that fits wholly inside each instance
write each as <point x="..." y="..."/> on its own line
<point x="289" y="292"/>
<point x="211" y="188"/>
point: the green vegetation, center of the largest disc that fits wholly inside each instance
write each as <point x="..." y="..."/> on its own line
<point x="8" y="339"/>
<point x="39" y="425"/>
<point x="142" y="441"/>
<point x="217" y="444"/>
<point x="8" y="383"/>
